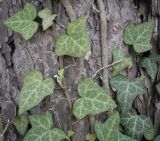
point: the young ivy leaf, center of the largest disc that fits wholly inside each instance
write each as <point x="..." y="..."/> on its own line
<point x="94" y="99"/>
<point x="42" y="129"/>
<point x="76" y="43"/>
<point x="47" y="17"/>
<point x="21" y="123"/>
<point x="127" y="90"/>
<point x="135" y="125"/>
<point x="139" y="36"/>
<point x="90" y="137"/>
<point x="108" y="131"/>
<point x="150" y="64"/>
<point x="118" y="54"/>
<point x="149" y="134"/>
<point x="34" y="90"/>
<point x="22" y="22"/>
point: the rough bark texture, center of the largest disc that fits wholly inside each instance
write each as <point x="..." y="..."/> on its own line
<point x="18" y="56"/>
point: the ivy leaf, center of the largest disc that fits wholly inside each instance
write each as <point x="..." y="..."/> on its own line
<point x="94" y="99"/>
<point x="118" y="54"/>
<point x="108" y="131"/>
<point x="34" y="90"/>
<point x="150" y="64"/>
<point x="76" y="43"/>
<point x="42" y="129"/>
<point x="90" y="137"/>
<point x="139" y="36"/>
<point x="21" y="123"/>
<point x="135" y="125"/>
<point x="149" y="134"/>
<point x="157" y="138"/>
<point x="47" y="17"/>
<point x="127" y="90"/>
<point x="22" y="22"/>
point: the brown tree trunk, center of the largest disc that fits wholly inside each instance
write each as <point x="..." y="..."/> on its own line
<point x="106" y="21"/>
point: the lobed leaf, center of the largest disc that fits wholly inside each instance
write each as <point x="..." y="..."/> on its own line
<point x="21" y="123"/>
<point x="127" y="90"/>
<point x="94" y="99"/>
<point x="76" y="43"/>
<point x="34" y="90"/>
<point x="135" y="125"/>
<point x="150" y="64"/>
<point x="118" y="54"/>
<point x="139" y="36"/>
<point x="108" y="131"/>
<point x="47" y="17"/>
<point x="42" y="129"/>
<point x="22" y="22"/>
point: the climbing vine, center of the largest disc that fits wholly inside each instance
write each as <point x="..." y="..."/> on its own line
<point x="93" y="98"/>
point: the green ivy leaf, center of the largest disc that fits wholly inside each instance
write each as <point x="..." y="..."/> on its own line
<point x="34" y="90"/>
<point x="108" y="131"/>
<point x="70" y="133"/>
<point x="157" y="138"/>
<point x="94" y="99"/>
<point x="47" y="17"/>
<point x="90" y="137"/>
<point x="21" y="123"/>
<point x="118" y="54"/>
<point x="150" y="64"/>
<point x="149" y="134"/>
<point x="127" y="90"/>
<point x="139" y="36"/>
<point x="135" y="125"/>
<point x="76" y="43"/>
<point x="22" y="22"/>
<point x="42" y="129"/>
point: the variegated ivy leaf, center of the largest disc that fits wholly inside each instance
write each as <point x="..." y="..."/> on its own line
<point x="109" y="131"/>
<point x="139" y="36"/>
<point x="157" y="138"/>
<point x="21" y="123"/>
<point x="42" y="129"/>
<point x="76" y="43"/>
<point x="127" y="90"/>
<point x="22" y="22"/>
<point x="118" y="54"/>
<point x="135" y="125"/>
<point x="94" y="99"/>
<point x="150" y="64"/>
<point x="34" y="90"/>
<point x="47" y="17"/>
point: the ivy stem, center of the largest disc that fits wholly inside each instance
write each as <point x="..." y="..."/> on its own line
<point x="72" y="15"/>
<point x="5" y="129"/>
<point x="106" y="67"/>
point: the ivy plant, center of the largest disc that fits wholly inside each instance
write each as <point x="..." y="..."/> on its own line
<point x="150" y="64"/>
<point x="76" y="42"/>
<point x="23" y="21"/>
<point x="127" y="90"/>
<point x="135" y="125"/>
<point x="21" y="123"/>
<point x="47" y="17"/>
<point x="118" y="54"/>
<point x="42" y="129"/>
<point x="109" y="131"/>
<point x="34" y="90"/>
<point x="139" y="36"/>
<point x="94" y="99"/>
